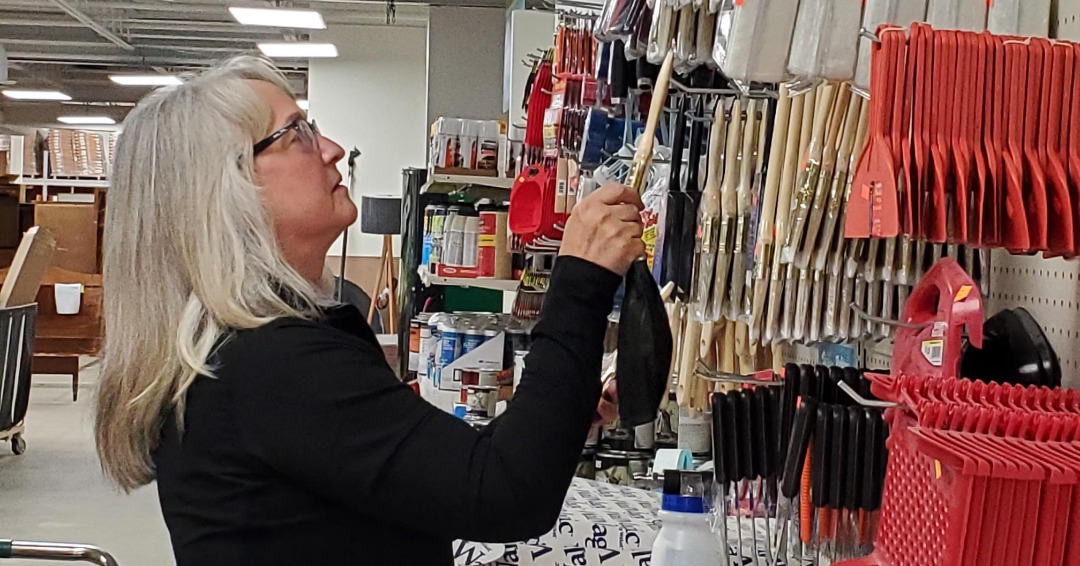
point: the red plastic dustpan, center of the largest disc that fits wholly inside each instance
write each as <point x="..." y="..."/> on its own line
<point x="526" y="201"/>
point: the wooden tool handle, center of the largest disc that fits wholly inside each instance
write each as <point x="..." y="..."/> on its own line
<point x="791" y="162"/>
<point x="710" y="198"/>
<point x="728" y="190"/>
<point x="776" y="159"/>
<point x="643" y="157"/>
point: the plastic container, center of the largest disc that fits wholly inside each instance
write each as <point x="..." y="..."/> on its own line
<point x="685" y="539"/>
<point x="68" y="297"/>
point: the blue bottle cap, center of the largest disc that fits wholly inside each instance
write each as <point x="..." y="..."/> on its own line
<point x="683" y="504"/>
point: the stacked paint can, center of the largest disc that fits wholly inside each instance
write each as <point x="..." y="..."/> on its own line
<point x="462" y="241"/>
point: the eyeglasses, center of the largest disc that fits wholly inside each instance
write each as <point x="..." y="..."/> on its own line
<point x="306" y="131"/>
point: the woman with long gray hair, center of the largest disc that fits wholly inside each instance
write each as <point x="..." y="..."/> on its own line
<point x="274" y="428"/>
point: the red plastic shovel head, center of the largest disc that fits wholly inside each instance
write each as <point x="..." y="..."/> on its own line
<point x="872" y="207"/>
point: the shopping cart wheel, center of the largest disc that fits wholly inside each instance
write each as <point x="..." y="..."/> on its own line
<point x="18" y="444"/>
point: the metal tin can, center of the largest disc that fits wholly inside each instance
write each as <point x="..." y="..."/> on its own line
<point x="414" y="349"/>
<point x="695" y="431"/>
<point x="481" y="400"/>
<point x="449" y="350"/>
<point x="586" y="467"/>
<point x="472" y="339"/>
<point x="424" y="355"/>
<point x="621" y="467"/>
<point x="488" y="377"/>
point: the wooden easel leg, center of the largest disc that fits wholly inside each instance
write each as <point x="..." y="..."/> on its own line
<point x="388" y="251"/>
<point x="375" y="293"/>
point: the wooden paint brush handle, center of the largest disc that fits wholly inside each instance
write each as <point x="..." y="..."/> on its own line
<point x="643" y="157"/>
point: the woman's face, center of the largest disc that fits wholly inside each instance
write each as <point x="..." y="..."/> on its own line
<point x="302" y="187"/>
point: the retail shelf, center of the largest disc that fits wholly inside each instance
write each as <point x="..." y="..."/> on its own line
<point x="61" y="182"/>
<point x="441" y="183"/>
<point x="505" y="285"/>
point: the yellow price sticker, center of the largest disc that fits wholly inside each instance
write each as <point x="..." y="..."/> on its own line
<point x="962" y="293"/>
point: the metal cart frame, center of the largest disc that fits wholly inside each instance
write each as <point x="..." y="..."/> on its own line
<point x="16" y="359"/>
<point x="55" y="551"/>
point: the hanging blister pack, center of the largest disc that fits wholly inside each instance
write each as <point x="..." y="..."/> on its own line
<point x="901" y="13"/>
<point x="1019" y="17"/>
<point x="661" y="33"/>
<point x="685" y="36"/>
<point x="825" y="42"/>
<point x="638" y="44"/>
<point x="703" y="43"/>
<point x="964" y="15"/>
<point x="752" y="39"/>
<point x="618" y="19"/>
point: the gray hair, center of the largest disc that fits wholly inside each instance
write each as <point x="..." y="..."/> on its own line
<point x="189" y="254"/>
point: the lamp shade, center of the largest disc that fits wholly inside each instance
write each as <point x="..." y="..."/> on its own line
<point x="380" y="214"/>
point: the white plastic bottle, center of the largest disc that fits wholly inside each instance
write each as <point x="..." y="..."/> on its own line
<point x="685" y="538"/>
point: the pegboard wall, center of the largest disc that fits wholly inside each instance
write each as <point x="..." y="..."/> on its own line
<point x="1050" y="290"/>
<point x="1065" y="19"/>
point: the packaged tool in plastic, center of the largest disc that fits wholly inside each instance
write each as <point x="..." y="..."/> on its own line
<point x="965" y="15"/>
<point x="901" y="13"/>
<point x="825" y="42"/>
<point x="753" y="38"/>
<point x="1019" y="17"/>
<point x="618" y="19"/>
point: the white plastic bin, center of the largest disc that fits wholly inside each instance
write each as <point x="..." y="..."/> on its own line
<point x="68" y="297"/>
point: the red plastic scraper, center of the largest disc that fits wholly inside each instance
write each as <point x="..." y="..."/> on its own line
<point x="872" y="206"/>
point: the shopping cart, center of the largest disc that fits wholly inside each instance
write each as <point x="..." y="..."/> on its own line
<point x="16" y="358"/>
<point x="55" y="551"/>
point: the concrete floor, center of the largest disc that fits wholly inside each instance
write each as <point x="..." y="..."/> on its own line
<point x="56" y="491"/>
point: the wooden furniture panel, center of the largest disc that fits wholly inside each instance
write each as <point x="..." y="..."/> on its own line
<point x="61" y="339"/>
<point x="76" y="230"/>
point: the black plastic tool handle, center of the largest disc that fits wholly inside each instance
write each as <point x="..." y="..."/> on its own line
<point x="801" y="432"/>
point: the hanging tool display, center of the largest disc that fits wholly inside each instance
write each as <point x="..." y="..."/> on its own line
<point x="801" y="466"/>
<point x="992" y="127"/>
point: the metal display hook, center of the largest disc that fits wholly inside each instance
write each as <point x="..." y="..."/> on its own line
<point x="886" y="321"/>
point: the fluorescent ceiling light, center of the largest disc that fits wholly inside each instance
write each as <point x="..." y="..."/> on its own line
<point x="298" y="50"/>
<point x="87" y="120"/>
<point x="36" y="95"/>
<point x="145" y="80"/>
<point x="273" y="17"/>
<point x="303" y="104"/>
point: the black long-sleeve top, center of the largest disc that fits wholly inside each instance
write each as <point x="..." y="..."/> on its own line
<point x="306" y="449"/>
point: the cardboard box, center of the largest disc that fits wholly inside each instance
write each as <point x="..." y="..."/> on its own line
<point x="75" y="227"/>
<point x="28" y="268"/>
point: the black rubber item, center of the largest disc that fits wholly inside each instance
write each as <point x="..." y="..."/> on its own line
<point x="1049" y="366"/>
<point x="795" y="458"/>
<point x="792" y="381"/>
<point x="758" y="433"/>
<point x="744" y="435"/>
<point x="864" y="384"/>
<point x="620" y="85"/>
<point x="731" y="445"/>
<point x="856" y="450"/>
<point x="645" y="348"/>
<point x="851" y="379"/>
<point x="673" y="220"/>
<point x="824" y="393"/>
<point x="1015" y="350"/>
<point x="874" y="423"/>
<point x="692" y="188"/>
<point x="882" y="460"/>
<point x="646" y="73"/>
<point x="808" y="383"/>
<point x="836" y="376"/>
<point x="819" y="462"/>
<point x="719" y="436"/>
<point x="838" y="462"/>
<point x="771" y="397"/>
